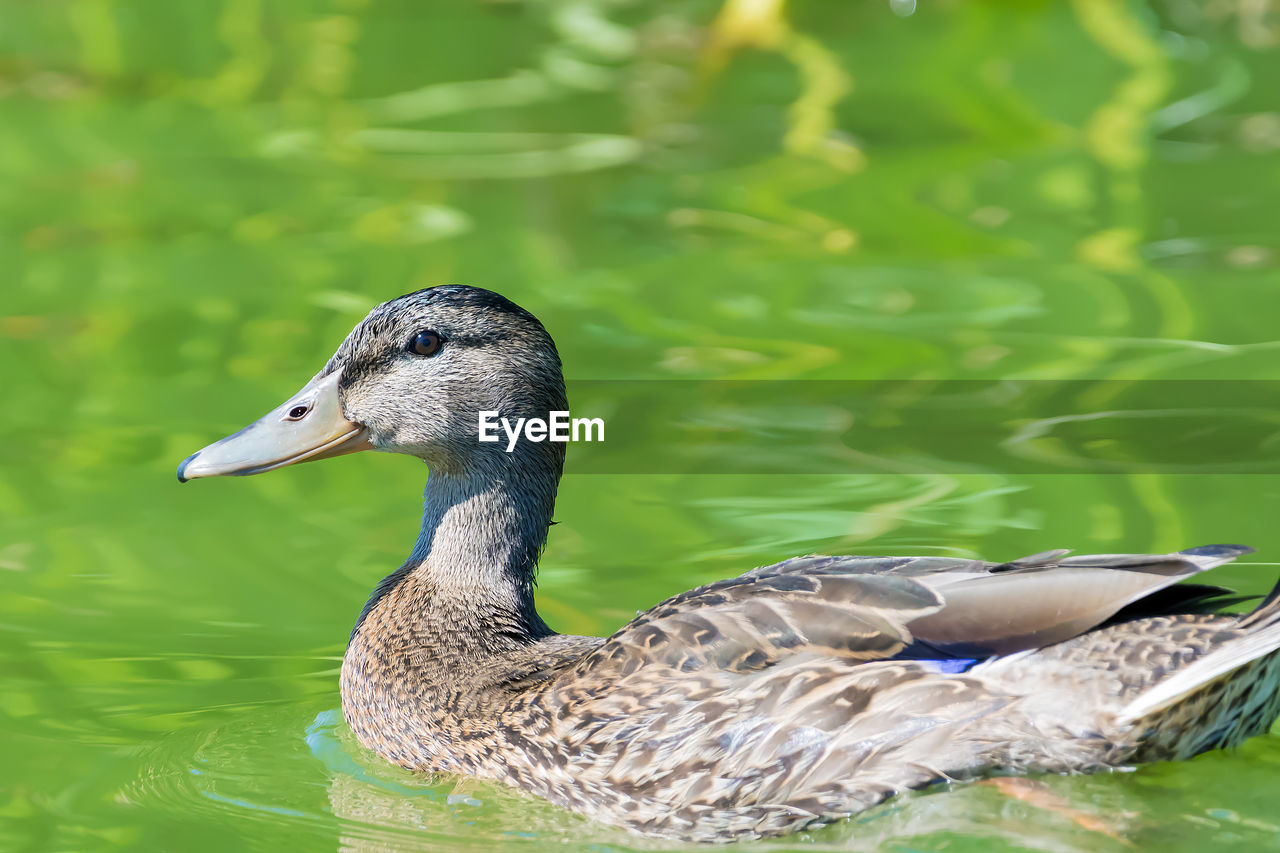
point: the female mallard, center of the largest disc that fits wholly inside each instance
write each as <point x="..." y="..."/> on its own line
<point x="784" y="698"/>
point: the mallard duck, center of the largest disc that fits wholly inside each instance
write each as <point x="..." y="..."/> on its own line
<point x="790" y="696"/>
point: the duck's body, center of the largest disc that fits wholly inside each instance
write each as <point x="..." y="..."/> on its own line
<point x="790" y="696"/>
<point x="713" y="717"/>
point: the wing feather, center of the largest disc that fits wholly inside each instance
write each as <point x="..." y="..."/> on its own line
<point x="875" y="608"/>
<point x="750" y="622"/>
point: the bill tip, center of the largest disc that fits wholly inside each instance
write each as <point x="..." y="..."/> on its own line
<point x="182" y="468"/>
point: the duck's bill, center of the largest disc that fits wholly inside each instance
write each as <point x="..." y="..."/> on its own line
<point x="308" y="426"/>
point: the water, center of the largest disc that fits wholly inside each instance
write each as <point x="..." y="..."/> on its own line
<point x="1066" y="206"/>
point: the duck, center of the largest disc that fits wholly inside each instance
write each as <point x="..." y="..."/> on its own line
<point x="788" y="697"/>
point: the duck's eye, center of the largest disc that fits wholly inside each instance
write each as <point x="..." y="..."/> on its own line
<point x="425" y="343"/>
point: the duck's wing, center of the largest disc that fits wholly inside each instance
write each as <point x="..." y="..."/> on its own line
<point x="1001" y="608"/>
<point x="880" y="608"/>
<point x="830" y="607"/>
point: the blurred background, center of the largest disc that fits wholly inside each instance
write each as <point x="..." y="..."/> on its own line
<point x="953" y="202"/>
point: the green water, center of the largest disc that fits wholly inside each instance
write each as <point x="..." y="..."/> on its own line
<point x="198" y="199"/>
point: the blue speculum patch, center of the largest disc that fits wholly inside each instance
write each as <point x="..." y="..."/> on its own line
<point x="951" y="666"/>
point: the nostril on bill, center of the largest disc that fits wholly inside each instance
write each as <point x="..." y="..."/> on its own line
<point x="297" y="413"/>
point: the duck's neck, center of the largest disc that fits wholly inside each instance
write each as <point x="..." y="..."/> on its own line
<point x="467" y="588"/>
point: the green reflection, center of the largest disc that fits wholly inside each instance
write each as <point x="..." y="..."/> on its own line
<point x="996" y="221"/>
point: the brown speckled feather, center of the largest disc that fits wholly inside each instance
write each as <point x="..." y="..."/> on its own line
<point x="781" y="698"/>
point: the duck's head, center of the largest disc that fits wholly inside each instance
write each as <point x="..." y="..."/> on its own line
<point x="410" y="378"/>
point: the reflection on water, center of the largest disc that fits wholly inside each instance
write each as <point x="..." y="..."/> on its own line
<point x="367" y="805"/>
<point x="930" y="426"/>
<point x="892" y="286"/>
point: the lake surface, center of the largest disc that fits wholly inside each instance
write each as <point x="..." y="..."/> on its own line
<point x="985" y="279"/>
